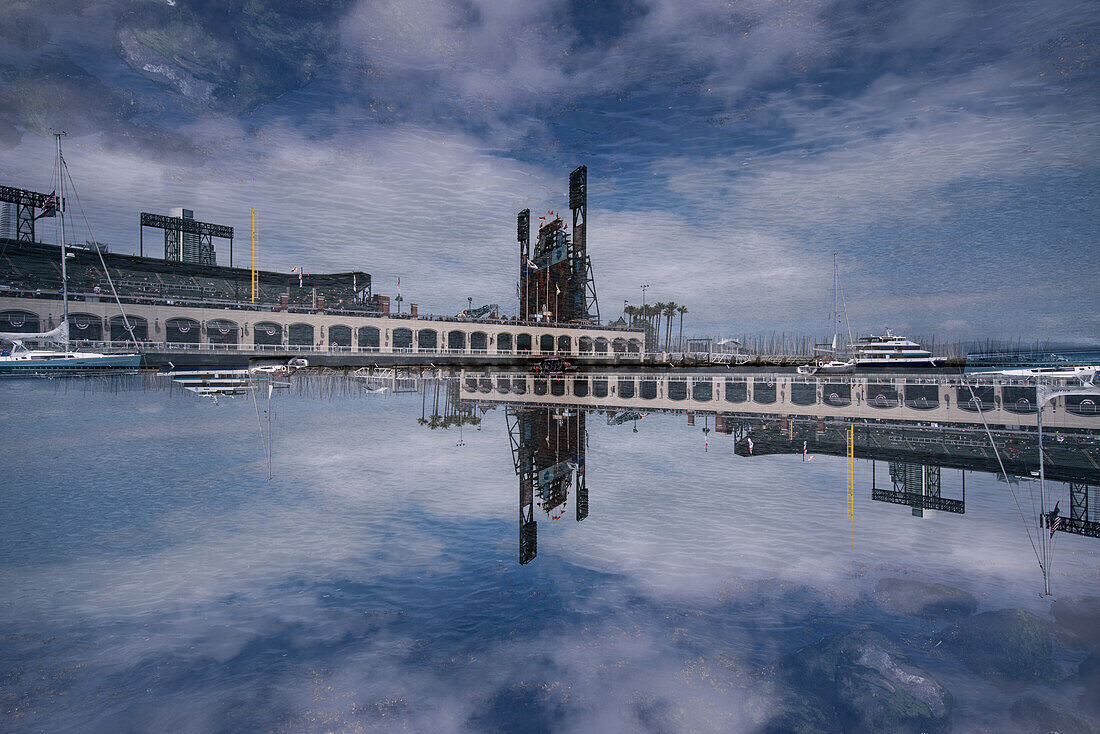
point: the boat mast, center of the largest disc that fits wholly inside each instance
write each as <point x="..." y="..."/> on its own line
<point x="1044" y="539"/>
<point x="836" y="313"/>
<point x="61" y="219"/>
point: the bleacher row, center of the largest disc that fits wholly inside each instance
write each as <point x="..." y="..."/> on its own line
<point x="36" y="269"/>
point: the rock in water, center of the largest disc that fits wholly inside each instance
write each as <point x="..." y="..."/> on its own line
<point x="859" y="682"/>
<point x="1008" y="643"/>
<point x="921" y="599"/>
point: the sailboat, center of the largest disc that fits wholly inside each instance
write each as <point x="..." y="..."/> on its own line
<point x="18" y="360"/>
<point x="834" y="365"/>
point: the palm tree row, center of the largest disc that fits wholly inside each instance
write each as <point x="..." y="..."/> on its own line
<point x="651" y="316"/>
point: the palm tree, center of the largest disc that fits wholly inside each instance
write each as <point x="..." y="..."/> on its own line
<point x="631" y="312"/>
<point x="681" y="310"/>
<point x="657" y="310"/>
<point x="669" y="312"/>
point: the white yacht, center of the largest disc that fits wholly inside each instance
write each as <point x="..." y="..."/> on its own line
<point x="889" y="351"/>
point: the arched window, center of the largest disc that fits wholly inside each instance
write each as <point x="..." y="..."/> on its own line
<point x="427" y="339"/>
<point x="479" y="342"/>
<point x="927" y="397"/>
<point x="804" y="393"/>
<point x="139" y="326"/>
<point x="339" y="336"/>
<point x="981" y="400"/>
<point x="677" y="389"/>
<point x="565" y="344"/>
<point x="504" y="343"/>
<point x="456" y="340"/>
<point x="626" y="387"/>
<point x="402" y="338"/>
<point x="618" y="346"/>
<point x="737" y="391"/>
<point x="300" y="335"/>
<point x="222" y="331"/>
<point x="266" y="333"/>
<point x="546" y="343"/>
<point x="369" y="337"/>
<point x="837" y="394"/>
<point x="701" y="390"/>
<point x="181" y="331"/>
<point x="634" y="346"/>
<point x="1015" y="399"/>
<point x="885" y="395"/>
<point x="21" y="321"/>
<point x="584" y="345"/>
<point x="763" y="390"/>
<point x="601" y="345"/>
<point x="523" y="343"/>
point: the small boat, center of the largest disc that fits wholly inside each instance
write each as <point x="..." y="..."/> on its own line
<point x="834" y="365"/>
<point x="23" y="362"/>
<point x="828" y="367"/>
<point x="1084" y="372"/>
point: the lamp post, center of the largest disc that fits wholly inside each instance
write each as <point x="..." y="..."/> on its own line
<point x="643" y="287"/>
<point x="470" y="306"/>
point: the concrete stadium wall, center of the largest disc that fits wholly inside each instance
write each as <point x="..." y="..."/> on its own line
<point x="49" y="313"/>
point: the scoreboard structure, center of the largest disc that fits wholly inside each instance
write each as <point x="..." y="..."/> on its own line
<point x="555" y="272"/>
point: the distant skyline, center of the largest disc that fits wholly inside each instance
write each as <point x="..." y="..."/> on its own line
<point x="947" y="151"/>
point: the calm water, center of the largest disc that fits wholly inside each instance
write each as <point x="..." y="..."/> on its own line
<point x="153" y="579"/>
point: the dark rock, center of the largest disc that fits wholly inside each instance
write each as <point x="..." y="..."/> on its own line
<point x="921" y="599"/>
<point x="1036" y="716"/>
<point x="857" y="682"/>
<point x="1079" y="616"/>
<point x="1008" y="643"/>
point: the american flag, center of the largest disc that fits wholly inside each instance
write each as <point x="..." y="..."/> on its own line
<point x="1054" y="520"/>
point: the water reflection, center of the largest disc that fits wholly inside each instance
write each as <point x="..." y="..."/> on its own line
<point x="884" y="420"/>
<point x="152" y="573"/>
<point x="548" y="450"/>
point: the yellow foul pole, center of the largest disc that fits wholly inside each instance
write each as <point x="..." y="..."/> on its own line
<point x="851" y="446"/>
<point x="255" y="248"/>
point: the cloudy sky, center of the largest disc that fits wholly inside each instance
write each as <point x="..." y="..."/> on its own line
<point x="946" y="150"/>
